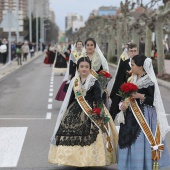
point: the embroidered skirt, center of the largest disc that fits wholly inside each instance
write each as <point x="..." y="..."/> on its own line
<point x="80" y="143"/>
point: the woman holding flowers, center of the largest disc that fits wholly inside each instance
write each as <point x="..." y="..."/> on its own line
<point x="98" y="62"/>
<point x="142" y="133"/>
<point x="71" y="69"/>
<point x="85" y="135"/>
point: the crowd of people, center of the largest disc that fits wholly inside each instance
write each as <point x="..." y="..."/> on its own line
<point x="85" y="135"/>
<point x="19" y="51"/>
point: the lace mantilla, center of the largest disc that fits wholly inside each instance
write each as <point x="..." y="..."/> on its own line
<point x="145" y="82"/>
<point x="96" y="61"/>
<point x="92" y="82"/>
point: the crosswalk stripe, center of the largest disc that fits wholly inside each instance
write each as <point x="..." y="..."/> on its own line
<point x="11" y="142"/>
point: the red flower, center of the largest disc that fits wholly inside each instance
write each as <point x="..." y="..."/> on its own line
<point x="67" y="58"/>
<point x="128" y="87"/>
<point x="96" y="110"/>
<point x="105" y="74"/>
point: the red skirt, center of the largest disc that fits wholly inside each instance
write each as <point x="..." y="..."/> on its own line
<point x="61" y="93"/>
<point x="46" y="60"/>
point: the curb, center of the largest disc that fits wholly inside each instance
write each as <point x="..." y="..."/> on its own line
<point x="160" y="82"/>
<point x="20" y="66"/>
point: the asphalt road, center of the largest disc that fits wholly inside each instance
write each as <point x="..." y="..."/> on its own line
<point x="28" y="112"/>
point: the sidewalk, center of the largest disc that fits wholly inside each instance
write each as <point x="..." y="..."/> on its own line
<point x="9" y="68"/>
<point x="160" y="82"/>
<point x="167" y="66"/>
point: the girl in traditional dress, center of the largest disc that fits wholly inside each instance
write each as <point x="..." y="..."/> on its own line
<point x="78" y="139"/>
<point x="60" y="64"/>
<point x="74" y="56"/>
<point x="142" y="135"/>
<point x="98" y="62"/>
<point x="51" y="54"/>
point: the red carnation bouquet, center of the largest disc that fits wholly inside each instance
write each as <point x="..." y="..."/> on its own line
<point x="126" y="90"/>
<point x="99" y="117"/>
<point x="104" y="77"/>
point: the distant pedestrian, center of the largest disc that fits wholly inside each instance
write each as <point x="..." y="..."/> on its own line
<point x="18" y="53"/>
<point x="31" y="46"/>
<point x="25" y="50"/>
<point x="13" y="50"/>
<point x="4" y="50"/>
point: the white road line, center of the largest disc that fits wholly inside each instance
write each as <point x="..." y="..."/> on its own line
<point x="50" y="100"/>
<point x="50" y="106"/>
<point x="52" y="79"/>
<point x="11" y="142"/>
<point x="50" y="94"/>
<point x="22" y="118"/>
<point x="51" y="90"/>
<point x="51" y="82"/>
<point x="51" y="86"/>
<point x="48" y="116"/>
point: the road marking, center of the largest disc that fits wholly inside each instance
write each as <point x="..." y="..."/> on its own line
<point x="50" y="100"/>
<point x="48" y="116"/>
<point x="51" y="86"/>
<point x="52" y="79"/>
<point x="51" y="90"/>
<point x="50" y="94"/>
<point x="11" y="142"/>
<point x="22" y="118"/>
<point x="51" y="82"/>
<point x="50" y="106"/>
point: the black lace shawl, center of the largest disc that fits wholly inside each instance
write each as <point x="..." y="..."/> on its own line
<point x="76" y="127"/>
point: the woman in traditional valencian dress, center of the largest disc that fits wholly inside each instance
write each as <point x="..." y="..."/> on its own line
<point x="78" y="139"/>
<point x="51" y="54"/>
<point x="142" y="134"/>
<point x="71" y="69"/>
<point x="60" y="64"/>
<point x="98" y="62"/>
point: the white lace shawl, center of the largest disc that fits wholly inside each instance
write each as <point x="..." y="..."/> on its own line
<point x="89" y="82"/>
<point x="98" y="59"/>
<point x="149" y="80"/>
<point x="71" y="57"/>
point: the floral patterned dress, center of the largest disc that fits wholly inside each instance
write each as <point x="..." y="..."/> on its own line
<point x="78" y="141"/>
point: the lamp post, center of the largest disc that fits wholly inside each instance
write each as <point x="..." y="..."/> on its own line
<point x="17" y="14"/>
<point x="30" y="19"/>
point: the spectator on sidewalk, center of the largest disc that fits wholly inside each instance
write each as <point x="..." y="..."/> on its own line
<point x="0" y="52"/>
<point x="18" y="53"/>
<point x="13" y="50"/>
<point x="25" y="50"/>
<point x="31" y="46"/>
<point x="4" y="50"/>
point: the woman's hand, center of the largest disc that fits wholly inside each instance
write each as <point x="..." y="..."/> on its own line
<point x="123" y="105"/>
<point x="138" y="96"/>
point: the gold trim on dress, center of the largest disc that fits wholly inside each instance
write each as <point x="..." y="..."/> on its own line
<point x="156" y="143"/>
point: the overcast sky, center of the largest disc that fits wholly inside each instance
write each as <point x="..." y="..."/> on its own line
<point x="81" y="7"/>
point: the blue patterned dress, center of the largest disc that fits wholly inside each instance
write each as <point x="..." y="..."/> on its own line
<point x="134" y="150"/>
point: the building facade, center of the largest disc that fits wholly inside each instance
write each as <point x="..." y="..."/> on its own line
<point x="107" y="10"/>
<point x="70" y="19"/>
<point x="5" y="5"/>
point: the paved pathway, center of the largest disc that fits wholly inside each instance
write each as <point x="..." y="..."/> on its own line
<point x="9" y="68"/>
